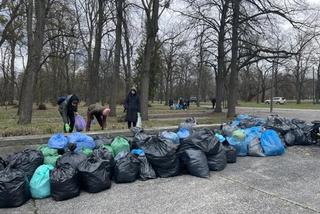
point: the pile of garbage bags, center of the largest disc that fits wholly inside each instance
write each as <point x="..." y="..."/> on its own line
<point x="261" y="137"/>
<point x="65" y="166"/>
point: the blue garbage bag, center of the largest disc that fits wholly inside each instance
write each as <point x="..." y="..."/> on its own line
<point x="57" y="141"/>
<point x="170" y="136"/>
<point x="137" y="152"/>
<point x="183" y="133"/>
<point x="220" y="137"/>
<point x="40" y="182"/>
<point x="271" y="143"/>
<point x="81" y="140"/>
<point x="242" y="117"/>
<point x="240" y="146"/>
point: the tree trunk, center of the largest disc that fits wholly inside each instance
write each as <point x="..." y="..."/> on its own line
<point x="117" y="56"/>
<point x="233" y="85"/>
<point x="94" y="75"/>
<point x="318" y="84"/>
<point x="152" y="30"/>
<point x="220" y="77"/>
<point x="128" y="54"/>
<point x="200" y="70"/>
<point x="35" y="45"/>
<point x="12" y="71"/>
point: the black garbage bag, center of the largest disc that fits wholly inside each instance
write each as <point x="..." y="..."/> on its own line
<point x="161" y="154"/>
<point x="300" y="138"/>
<point x="126" y="169"/>
<point x="196" y="162"/>
<point x="14" y="188"/>
<point x="299" y="123"/>
<point x="315" y="130"/>
<point x="105" y="155"/>
<point x="64" y="183"/>
<point x="102" y="141"/>
<point x="93" y="175"/>
<point x="279" y="124"/>
<point x="218" y="161"/>
<point x="145" y="170"/>
<point x="203" y="140"/>
<point x="139" y="137"/>
<point x="71" y="157"/>
<point x="231" y="153"/>
<point x="247" y="123"/>
<point x="3" y="164"/>
<point x="27" y="161"/>
<point x="289" y="138"/>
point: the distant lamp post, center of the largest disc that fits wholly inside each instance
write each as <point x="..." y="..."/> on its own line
<point x="313" y="88"/>
<point x="272" y="80"/>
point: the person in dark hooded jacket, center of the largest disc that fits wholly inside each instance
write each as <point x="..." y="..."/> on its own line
<point x="132" y="107"/>
<point x="68" y="107"/>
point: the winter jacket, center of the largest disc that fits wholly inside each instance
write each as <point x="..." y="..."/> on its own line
<point x="132" y="107"/>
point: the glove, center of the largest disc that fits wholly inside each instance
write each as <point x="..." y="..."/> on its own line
<point x="67" y="127"/>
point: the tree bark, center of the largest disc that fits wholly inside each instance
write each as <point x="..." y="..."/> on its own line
<point x="117" y="58"/>
<point x="200" y="70"/>
<point x="94" y="74"/>
<point x="318" y="84"/>
<point x="233" y="85"/>
<point x="12" y="71"/>
<point x="152" y="30"/>
<point x="220" y="77"/>
<point x="35" y="45"/>
<point x="128" y="54"/>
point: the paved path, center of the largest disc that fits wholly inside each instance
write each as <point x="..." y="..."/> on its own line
<point x="283" y="184"/>
<point x="304" y="114"/>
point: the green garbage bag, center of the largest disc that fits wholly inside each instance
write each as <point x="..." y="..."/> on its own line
<point x="46" y="151"/>
<point x="40" y="182"/>
<point x="86" y="151"/>
<point x="120" y="144"/>
<point x="108" y="147"/>
<point x="51" y="160"/>
<point x="239" y="134"/>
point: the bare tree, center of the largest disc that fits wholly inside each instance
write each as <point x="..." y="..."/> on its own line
<point x="117" y="58"/>
<point x="40" y="9"/>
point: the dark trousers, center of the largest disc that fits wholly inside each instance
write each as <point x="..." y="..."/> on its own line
<point x="130" y="123"/>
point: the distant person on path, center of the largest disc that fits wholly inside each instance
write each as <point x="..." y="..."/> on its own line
<point x="132" y="107"/>
<point x="99" y="112"/>
<point x="213" y="101"/>
<point x="188" y="103"/>
<point x="181" y="103"/>
<point x="171" y="103"/>
<point x="68" y="107"/>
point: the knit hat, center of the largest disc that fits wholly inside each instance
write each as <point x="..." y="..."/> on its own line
<point x="106" y="112"/>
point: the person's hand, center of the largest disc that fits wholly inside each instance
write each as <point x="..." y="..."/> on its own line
<point x="67" y="127"/>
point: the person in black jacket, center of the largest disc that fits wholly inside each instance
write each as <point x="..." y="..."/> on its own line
<point x="68" y="107"/>
<point x="132" y="107"/>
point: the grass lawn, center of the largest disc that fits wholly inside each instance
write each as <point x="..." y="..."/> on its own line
<point x="49" y="121"/>
<point x="287" y="105"/>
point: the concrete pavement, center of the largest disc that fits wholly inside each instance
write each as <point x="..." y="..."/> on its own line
<point x="304" y="114"/>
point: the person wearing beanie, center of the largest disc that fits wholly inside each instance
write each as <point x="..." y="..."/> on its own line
<point x="99" y="112"/>
<point x="68" y="107"/>
<point x="132" y="107"/>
